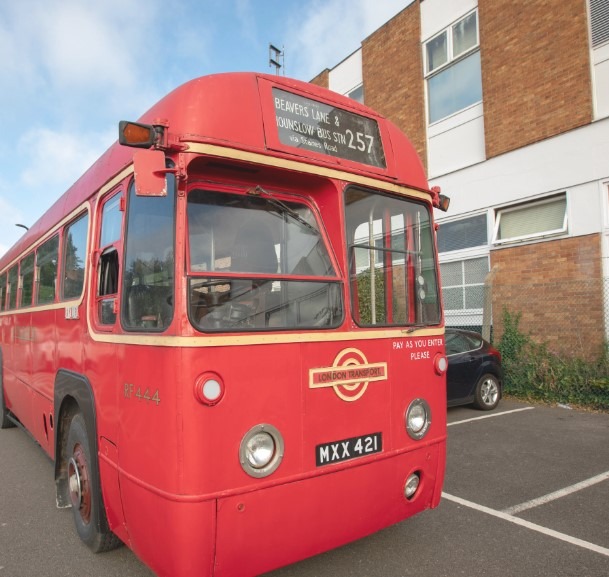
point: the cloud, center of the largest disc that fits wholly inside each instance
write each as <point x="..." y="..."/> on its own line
<point x="9" y="216"/>
<point x="58" y="158"/>
<point x="328" y="31"/>
<point x="57" y="55"/>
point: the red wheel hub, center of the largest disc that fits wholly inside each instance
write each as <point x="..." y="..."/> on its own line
<point x="79" y="483"/>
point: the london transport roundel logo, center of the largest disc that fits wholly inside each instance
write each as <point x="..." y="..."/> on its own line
<point x="349" y="375"/>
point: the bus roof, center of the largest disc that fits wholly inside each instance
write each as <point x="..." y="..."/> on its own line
<point x="236" y="110"/>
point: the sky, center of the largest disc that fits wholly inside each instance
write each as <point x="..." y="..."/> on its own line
<point x="71" y="69"/>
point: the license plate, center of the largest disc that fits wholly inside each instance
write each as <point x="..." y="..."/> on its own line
<point x="353" y="448"/>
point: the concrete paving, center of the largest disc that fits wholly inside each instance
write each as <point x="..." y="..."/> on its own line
<point x="526" y="494"/>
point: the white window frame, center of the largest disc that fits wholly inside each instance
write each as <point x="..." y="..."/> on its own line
<point x="536" y="235"/>
<point x="454" y="313"/>
<point x="452" y="59"/>
<point x="469" y="249"/>
<point x="449" y="45"/>
<point x="350" y="92"/>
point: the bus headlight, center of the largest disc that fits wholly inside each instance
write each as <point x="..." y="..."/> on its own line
<point x="411" y="486"/>
<point x="261" y="451"/>
<point x="418" y="419"/>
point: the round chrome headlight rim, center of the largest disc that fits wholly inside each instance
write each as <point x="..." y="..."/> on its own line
<point x="261" y="450"/>
<point x="418" y="419"/>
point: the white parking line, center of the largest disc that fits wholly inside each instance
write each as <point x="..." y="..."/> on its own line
<point x="556" y="494"/>
<point x="490" y="416"/>
<point x="527" y="524"/>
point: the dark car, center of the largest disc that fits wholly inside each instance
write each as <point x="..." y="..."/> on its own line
<point x="474" y="370"/>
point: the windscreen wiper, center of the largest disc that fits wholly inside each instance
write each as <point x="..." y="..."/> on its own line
<point x="259" y="191"/>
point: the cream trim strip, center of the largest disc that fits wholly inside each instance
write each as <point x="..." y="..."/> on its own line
<point x="261" y="338"/>
<point x="235" y="154"/>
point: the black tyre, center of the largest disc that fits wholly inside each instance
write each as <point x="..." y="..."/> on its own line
<point x="83" y="490"/>
<point x="488" y="392"/>
<point x="5" y="422"/>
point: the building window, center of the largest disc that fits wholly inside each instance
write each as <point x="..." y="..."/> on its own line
<point x="531" y="221"/>
<point x="452" y="66"/>
<point x="599" y="22"/>
<point x="357" y="94"/>
<point x="464" y="233"/>
<point x="463" y="284"/>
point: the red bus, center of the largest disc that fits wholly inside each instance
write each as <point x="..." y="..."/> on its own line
<point x="228" y="333"/>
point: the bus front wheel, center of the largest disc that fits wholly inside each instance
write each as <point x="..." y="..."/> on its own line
<point x="84" y="491"/>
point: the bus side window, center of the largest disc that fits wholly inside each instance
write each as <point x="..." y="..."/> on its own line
<point x="74" y="251"/>
<point x="13" y="285"/>
<point x="108" y="267"/>
<point x="46" y="266"/>
<point x="3" y="292"/>
<point x="27" y="281"/>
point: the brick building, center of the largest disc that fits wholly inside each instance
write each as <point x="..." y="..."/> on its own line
<point x="507" y="102"/>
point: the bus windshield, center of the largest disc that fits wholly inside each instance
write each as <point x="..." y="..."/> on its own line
<point x="258" y="262"/>
<point x="391" y="260"/>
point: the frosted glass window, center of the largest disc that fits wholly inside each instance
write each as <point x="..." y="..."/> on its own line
<point x="532" y="220"/>
<point x="464" y="233"/>
<point x="463" y="283"/>
<point x="465" y="34"/>
<point x="437" y="52"/>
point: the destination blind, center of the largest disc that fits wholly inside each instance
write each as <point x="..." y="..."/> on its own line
<point x="311" y="125"/>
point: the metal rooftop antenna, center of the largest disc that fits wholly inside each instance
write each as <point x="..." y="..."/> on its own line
<point x="276" y="58"/>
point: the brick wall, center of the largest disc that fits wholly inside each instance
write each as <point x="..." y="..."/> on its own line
<point x="322" y="79"/>
<point x="535" y="70"/>
<point x="557" y="286"/>
<point x="392" y="70"/>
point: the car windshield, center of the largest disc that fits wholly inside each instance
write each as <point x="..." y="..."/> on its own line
<point x="258" y="262"/>
<point x="457" y="342"/>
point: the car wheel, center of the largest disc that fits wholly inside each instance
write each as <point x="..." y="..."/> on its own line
<point x="487" y="392"/>
<point x="83" y="491"/>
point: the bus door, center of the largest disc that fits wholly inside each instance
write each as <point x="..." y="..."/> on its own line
<point x="102" y="358"/>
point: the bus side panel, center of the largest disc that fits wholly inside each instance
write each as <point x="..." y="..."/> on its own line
<point x="44" y="345"/>
<point x="41" y="418"/>
<point x="44" y="352"/>
<point x="22" y="347"/>
<point x="18" y="397"/>
<point x="109" y="478"/>
<point x="149" y="419"/>
<point x="17" y="394"/>
<point x="69" y="343"/>
<point x="175" y="539"/>
<point x="273" y="527"/>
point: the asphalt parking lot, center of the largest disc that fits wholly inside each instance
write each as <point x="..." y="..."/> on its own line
<point x="526" y="494"/>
